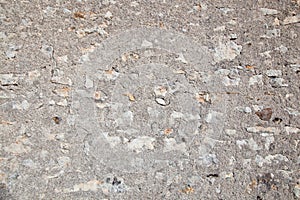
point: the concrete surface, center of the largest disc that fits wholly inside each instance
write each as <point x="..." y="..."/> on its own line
<point x="149" y="99"/>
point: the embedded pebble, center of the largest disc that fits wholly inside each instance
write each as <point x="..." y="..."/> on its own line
<point x="63" y="103"/>
<point x="268" y="11"/>
<point x="63" y="161"/>
<point x="62" y="92"/>
<point x="296" y="190"/>
<point x="61" y="80"/>
<point x="291" y="20"/>
<point x="295" y="67"/>
<point x="172" y="145"/>
<point x="17" y="148"/>
<point x="278" y="82"/>
<point x="247" y="110"/>
<point x="161" y="101"/>
<point x="227" y="51"/>
<point x="257" y="79"/>
<point x="282" y="49"/>
<point x="160" y="91"/>
<point x="47" y="50"/>
<point x="260" y="129"/>
<point x="269" y="159"/>
<point x="209" y="159"/>
<point x="292" y="111"/>
<point x="292" y="130"/>
<point x="9" y="79"/>
<point x="146" y="44"/>
<point x="24" y="105"/>
<point x="181" y="58"/>
<point x="274" y="73"/>
<point x="230" y="132"/>
<point x="274" y="33"/>
<point x="92" y="185"/>
<point x="34" y="75"/>
<point x="88" y="82"/>
<point x="231" y="81"/>
<point x="29" y="163"/>
<point x="108" y="15"/>
<point x="143" y="142"/>
<point x="12" y="51"/>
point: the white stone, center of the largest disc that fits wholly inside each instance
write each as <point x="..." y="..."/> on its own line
<point x="17" y="148"/>
<point x="257" y="79"/>
<point x="231" y="82"/>
<point x="269" y="141"/>
<point x="253" y="145"/>
<point x="282" y="49"/>
<point x="227" y="51"/>
<point x="295" y="67"/>
<point x="92" y="185"/>
<point x="108" y="15"/>
<point x="213" y="116"/>
<point x="292" y="111"/>
<point x="8" y="79"/>
<point x="247" y="110"/>
<point x="171" y="145"/>
<point x="61" y="80"/>
<point x="292" y="130"/>
<point x="160" y="91"/>
<point x="260" y="129"/>
<point x="267" y="11"/>
<point x="64" y="103"/>
<point x="160" y="101"/>
<point x="272" y="33"/>
<point x="88" y="82"/>
<point x="143" y="142"/>
<point x="146" y="44"/>
<point x="274" y="73"/>
<point x="181" y="58"/>
<point x="241" y="143"/>
<point x="230" y="132"/>
<point x="22" y="106"/>
<point x="34" y="75"/>
<point x="278" y="82"/>
<point x="220" y="28"/>
<point x="134" y="4"/>
<point x="63" y="161"/>
<point x="62" y="92"/>
<point x="296" y="191"/>
<point x="112" y="140"/>
<point x="291" y="20"/>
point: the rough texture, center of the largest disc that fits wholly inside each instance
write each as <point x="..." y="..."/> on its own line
<point x="149" y="100"/>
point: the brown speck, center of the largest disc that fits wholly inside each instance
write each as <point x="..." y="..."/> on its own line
<point x="168" y="131"/>
<point x="79" y="15"/>
<point x="56" y="119"/>
<point x="130" y="96"/>
<point x="188" y="190"/>
<point x="265" y="114"/>
<point x="249" y="67"/>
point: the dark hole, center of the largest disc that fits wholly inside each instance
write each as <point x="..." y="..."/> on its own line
<point x="116" y="182"/>
<point x="259" y="198"/>
<point x="212" y="175"/>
